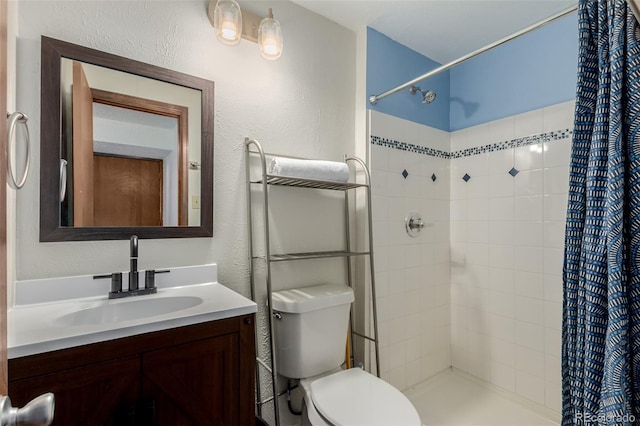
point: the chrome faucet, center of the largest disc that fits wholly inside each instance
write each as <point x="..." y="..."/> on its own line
<point x="133" y="263"/>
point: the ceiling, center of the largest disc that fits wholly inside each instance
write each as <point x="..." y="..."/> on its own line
<point x="442" y="30"/>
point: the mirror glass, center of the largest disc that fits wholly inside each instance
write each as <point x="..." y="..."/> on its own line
<point x="131" y="152"/>
<point x="132" y="147"/>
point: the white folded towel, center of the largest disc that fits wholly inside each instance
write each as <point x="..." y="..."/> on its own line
<point x="310" y="169"/>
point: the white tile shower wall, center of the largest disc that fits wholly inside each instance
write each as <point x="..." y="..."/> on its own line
<point x="412" y="274"/>
<point x="506" y="253"/>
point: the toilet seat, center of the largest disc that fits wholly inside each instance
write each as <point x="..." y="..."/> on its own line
<point x="355" y="397"/>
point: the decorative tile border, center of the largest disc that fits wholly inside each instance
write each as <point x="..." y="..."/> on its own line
<point x="499" y="146"/>
<point x="403" y="146"/>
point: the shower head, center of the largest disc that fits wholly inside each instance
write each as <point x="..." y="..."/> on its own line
<point x="428" y="96"/>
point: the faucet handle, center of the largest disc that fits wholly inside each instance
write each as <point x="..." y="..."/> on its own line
<point x="150" y="277"/>
<point x="116" y="281"/>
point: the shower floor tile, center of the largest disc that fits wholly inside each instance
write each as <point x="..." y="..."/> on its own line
<point x="455" y="398"/>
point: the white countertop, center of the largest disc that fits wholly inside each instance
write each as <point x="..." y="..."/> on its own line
<point x="35" y="328"/>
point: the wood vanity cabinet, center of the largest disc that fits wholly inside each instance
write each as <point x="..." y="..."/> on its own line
<point x="201" y="374"/>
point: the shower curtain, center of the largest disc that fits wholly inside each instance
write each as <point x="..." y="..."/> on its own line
<point x="601" y="319"/>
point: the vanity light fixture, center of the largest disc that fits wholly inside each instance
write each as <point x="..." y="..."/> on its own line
<point x="231" y="24"/>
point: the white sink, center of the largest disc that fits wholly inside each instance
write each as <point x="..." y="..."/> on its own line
<point x="127" y="310"/>
<point x="48" y="323"/>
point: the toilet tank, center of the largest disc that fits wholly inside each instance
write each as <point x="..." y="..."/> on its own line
<point x="311" y="334"/>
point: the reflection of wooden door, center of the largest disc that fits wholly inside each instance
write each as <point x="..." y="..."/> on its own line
<point x="3" y="198"/>
<point x="180" y="113"/>
<point x="127" y="191"/>
<point x="82" y="106"/>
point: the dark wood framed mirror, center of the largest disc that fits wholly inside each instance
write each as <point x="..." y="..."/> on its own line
<point x="126" y="148"/>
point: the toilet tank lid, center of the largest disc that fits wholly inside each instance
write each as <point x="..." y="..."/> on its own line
<point x="306" y="299"/>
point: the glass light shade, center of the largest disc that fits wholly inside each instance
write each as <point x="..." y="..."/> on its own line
<point x="270" y="38"/>
<point x="227" y="19"/>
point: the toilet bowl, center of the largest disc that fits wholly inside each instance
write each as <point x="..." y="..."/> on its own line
<point x="354" y="397"/>
<point x="311" y="331"/>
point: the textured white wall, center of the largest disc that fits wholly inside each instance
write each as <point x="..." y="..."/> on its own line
<point x="302" y="104"/>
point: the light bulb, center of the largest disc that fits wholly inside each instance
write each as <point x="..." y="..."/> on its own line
<point x="227" y="19"/>
<point x="229" y="30"/>
<point x="270" y="46"/>
<point x="270" y="38"/>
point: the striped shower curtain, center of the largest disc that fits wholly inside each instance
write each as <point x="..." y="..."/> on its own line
<point x="601" y="319"/>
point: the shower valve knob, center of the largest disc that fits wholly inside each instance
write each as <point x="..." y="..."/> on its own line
<point x="414" y="224"/>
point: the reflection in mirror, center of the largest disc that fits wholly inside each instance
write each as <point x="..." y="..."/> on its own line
<point x="129" y="151"/>
<point x="137" y="142"/>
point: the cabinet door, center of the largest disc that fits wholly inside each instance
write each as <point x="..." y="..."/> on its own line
<point x="99" y="394"/>
<point x="195" y="383"/>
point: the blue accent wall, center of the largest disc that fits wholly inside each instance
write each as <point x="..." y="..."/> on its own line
<point x="389" y="64"/>
<point x="534" y="71"/>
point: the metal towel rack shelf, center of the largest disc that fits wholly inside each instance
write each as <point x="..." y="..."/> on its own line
<point x="263" y="182"/>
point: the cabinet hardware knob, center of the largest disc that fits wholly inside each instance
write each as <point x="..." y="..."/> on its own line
<point x="247" y="320"/>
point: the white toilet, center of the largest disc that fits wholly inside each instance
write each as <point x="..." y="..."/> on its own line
<point x="310" y="336"/>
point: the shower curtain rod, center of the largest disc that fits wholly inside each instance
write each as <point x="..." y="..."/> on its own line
<point x="375" y="98"/>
